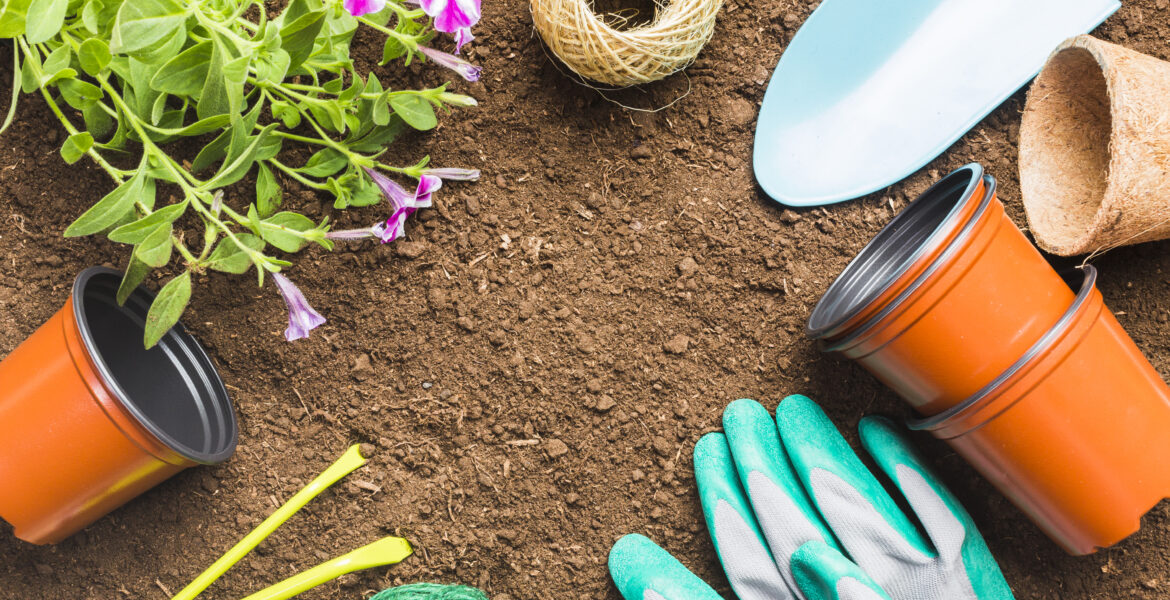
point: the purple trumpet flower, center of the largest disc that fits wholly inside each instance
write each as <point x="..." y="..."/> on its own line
<point x="465" y="69"/>
<point x="452" y="174"/>
<point x="358" y="8"/>
<point x="301" y="317"/>
<point x="454" y="16"/>
<point x="404" y="203"/>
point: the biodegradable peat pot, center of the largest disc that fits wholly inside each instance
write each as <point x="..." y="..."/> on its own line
<point x="1076" y="432"/>
<point x="1095" y="149"/>
<point x="89" y="419"/>
<point x="944" y="299"/>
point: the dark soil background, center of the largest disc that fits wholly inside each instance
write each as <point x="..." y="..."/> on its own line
<point x="534" y="363"/>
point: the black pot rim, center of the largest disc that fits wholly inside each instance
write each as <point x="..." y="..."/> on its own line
<point x="1046" y="341"/>
<point x="834" y="308"/>
<point x="176" y="342"/>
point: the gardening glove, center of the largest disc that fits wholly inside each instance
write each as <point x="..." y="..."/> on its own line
<point x="797" y="515"/>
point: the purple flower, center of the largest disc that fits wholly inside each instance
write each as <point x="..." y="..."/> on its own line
<point x="390" y="189"/>
<point x="465" y="69"/>
<point x="403" y="202"/>
<point x="427" y="185"/>
<point x="454" y="16"/>
<point x="451" y="174"/>
<point x="358" y="8"/>
<point x="301" y="317"/>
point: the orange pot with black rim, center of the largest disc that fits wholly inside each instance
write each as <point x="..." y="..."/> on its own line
<point x="944" y="298"/>
<point x="89" y="419"/>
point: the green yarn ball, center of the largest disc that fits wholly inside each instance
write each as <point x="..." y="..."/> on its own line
<point x="430" y="591"/>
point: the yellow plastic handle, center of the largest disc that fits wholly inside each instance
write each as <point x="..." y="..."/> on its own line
<point x="386" y="551"/>
<point x="352" y="459"/>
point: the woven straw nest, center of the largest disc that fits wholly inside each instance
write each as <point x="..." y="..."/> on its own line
<point x="602" y="52"/>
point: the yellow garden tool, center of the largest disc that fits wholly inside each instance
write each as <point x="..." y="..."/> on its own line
<point x="386" y="551"/>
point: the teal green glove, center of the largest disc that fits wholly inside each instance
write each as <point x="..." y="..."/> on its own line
<point x="786" y="501"/>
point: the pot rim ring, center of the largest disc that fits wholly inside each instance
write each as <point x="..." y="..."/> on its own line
<point x="949" y="223"/>
<point x="957" y="243"/>
<point x="180" y="337"/>
<point x="1045" y="343"/>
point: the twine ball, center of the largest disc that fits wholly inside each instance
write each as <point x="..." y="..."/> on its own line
<point x="597" y="50"/>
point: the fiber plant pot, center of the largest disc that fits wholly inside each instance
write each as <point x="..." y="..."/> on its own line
<point x="89" y="419"/>
<point x="944" y="299"/>
<point x="1076" y="432"/>
<point x="1094" y="149"/>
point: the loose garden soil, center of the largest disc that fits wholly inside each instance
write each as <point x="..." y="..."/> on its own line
<point x="535" y="361"/>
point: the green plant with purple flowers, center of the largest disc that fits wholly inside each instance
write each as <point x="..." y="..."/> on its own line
<point x="128" y="77"/>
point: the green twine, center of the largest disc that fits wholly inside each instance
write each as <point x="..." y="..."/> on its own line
<point x="430" y="591"/>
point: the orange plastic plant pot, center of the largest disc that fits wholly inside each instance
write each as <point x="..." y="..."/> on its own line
<point x="1076" y="433"/>
<point x="89" y="419"/>
<point x="923" y="245"/>
<point x="980" y="304"/>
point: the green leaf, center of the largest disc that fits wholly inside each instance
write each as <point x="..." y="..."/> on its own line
<point x="96" y="120"/>
<point x="79" y="94"/>
<point x="136" y="273"/>
<point x="136" y="232"/>
<point x="76" y="146"/>
<point x="418" y="112"/>
<point x="392" y="50"/>
<point x="377" y="139"/>
<point x="234" y="170"/>
<point x="300" y="24"/>
<point x="144" y="98"/>
<point x="324" y="163"/>
<point x="279" y="229"/>
<point x="274" y="66"/>
<point x="109" y="209"/>
<point x="212" y="152"/>
<point x="268" y="192"/>
<point x="213" y="96"/>
<point x="197" y="128"/>
<point x="381" y="113"/>
<point x="185" y="74"/>
<point x="167" y="307"/>
<point x="28" y="73"/>
<point x="156" y="109"/>
<point x="44" y="20"/>
<point x="94" y="55"/>
<point x="12" y="17"/>
<point x="155" y="250"/>
<point x="287" y="113"/>
<point x="228" y="257"/>
<point x="55" y="62"/>
<point x="143" y="23"/>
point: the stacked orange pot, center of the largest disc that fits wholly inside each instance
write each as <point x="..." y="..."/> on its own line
<point x="1032" y="381"/>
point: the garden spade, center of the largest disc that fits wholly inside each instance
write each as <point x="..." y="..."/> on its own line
<point x="868" y="92"/>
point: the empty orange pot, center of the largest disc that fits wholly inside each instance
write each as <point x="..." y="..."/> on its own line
<point x="944" y="299"/>
<point x="90" y="419"/>
<point x="1076" y="432"/>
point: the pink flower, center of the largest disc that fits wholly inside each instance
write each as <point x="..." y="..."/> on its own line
<point x="404" y="203"/>
<point x="358" y="8"/>
<point x="454" y="16"/>
<point x="301" y="317"/>
<point x="465" y="69"/>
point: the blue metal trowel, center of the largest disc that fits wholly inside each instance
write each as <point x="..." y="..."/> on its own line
<point x="869" y="91"/>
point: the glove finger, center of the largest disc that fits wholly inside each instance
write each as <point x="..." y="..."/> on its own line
<point x="823" y="573"/>
<point x="870" y="526"/>
<point x="947" y="524"/>
<point x="783" y="510"/>
<point x="643" y="571"/>
<point x="741" y="548"/>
